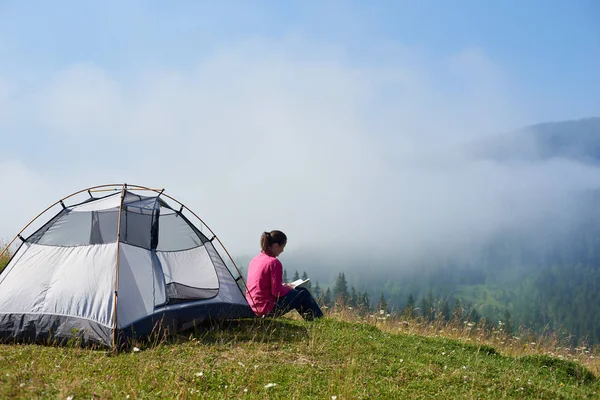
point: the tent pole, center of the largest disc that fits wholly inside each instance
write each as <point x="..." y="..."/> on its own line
<point x="49" y="207"/>
<point x="116" y="286"/>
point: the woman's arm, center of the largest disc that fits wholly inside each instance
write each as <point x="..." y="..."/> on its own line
<point x="278" y="289"/>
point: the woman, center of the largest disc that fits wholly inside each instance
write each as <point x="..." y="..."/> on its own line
<point x="266" y="293"/>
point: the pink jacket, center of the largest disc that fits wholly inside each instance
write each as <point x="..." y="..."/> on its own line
<point x="264" y="283"/>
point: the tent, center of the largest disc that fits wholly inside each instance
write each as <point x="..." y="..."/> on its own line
<point x="125" y="261"/>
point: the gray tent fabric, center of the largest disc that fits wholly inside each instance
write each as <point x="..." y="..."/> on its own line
<point x="158" y="268"/>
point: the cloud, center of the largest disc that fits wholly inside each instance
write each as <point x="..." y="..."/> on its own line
<point x="288" y="134"/>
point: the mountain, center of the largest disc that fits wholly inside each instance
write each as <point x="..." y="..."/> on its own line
<point x="577" y="140"/>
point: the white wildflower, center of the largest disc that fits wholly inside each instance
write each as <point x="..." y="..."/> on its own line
<point x="270" y="385"/>
<point x="241" y="364"/>
<point x="21" y="385"/>
<point x="69" y="397"/>
<point x="333" y="397"/>
<point x="401" y="360"/>
<point x="198" y="374"/>
<point x="245" y="390"/>
<point x="443" y="353"/>
<point x="255" y="366"/>
<point x="136" y="349"/>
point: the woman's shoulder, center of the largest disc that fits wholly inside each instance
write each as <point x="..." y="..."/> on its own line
<point x="265" y="259"/>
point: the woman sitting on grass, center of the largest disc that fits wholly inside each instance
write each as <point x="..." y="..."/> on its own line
<point x="266" y="293"/>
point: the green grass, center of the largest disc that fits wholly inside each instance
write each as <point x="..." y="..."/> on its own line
<point x="3" y="259"/>
<point x="319" y="360"/>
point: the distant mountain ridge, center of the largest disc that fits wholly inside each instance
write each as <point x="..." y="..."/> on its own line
<point x="577" y="140"/>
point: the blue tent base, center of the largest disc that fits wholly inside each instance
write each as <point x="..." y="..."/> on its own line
<point x="64" y="330"/>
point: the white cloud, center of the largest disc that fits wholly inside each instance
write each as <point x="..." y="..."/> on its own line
<point x="292" y="135"/>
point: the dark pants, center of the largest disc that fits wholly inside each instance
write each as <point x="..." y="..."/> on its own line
<point x="300" y="300"/>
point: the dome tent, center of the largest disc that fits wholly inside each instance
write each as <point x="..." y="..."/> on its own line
<point x="113" y="266"/>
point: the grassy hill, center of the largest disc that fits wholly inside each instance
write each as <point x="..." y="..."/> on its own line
<point x="333" y="358"/>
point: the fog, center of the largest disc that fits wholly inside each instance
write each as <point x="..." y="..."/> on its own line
<point x="369" y="159"/>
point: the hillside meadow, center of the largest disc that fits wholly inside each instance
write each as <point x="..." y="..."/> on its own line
<point x="334" y="358"/>
<point x="346" y="355"/>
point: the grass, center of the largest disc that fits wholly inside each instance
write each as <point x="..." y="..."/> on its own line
<point x="344" y="356"/>
<point x="4" y="258"/>
<point x="339" y="357"/>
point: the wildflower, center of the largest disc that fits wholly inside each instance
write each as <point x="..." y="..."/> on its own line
<point x="401" y="360"/>
<point x="270" y="385"/>
<point x="69" y="397"/>
<point x="245" y="390"/>
<point x="443" y="353"/>
<point x="255" y="366"/>
<point x="241" y="364"/>
<point x="333" y="397"/>
<point x="464" y="367"/>
<point x="136" y="349"/>
<point x="21" y="385"/>
<point x="199" y="374"/>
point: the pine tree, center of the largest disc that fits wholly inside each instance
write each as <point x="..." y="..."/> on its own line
<point x="341" y="289"/>
<point x="382" y="305"/>
<point x="427" y="308"/>
<point x="458" y="311"/>
<point x="445" y="310"/>
<point x="327" y="298"/>
<point x="317" y="291"/>
<point x="409" y="310"/>
<point x="353" y="297"/>
<point x="508" y="324"/>
<point x="285" y="279"/>
<point x="296" y="275"/>
<point x="305" y="277"/>
<point x="366" y="302"/>
<point x="474" y="315"/>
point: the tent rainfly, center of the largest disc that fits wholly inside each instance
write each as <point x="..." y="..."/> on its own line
<point x="114" y="266"/>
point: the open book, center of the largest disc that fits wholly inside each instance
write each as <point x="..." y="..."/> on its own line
<point x="299" y="282"/>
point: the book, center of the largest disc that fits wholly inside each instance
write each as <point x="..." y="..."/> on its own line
<point x="299" y="282"/>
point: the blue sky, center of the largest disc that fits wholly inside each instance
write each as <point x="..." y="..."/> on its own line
<point x="549" y="49"/>
<point x="330" y="106"/>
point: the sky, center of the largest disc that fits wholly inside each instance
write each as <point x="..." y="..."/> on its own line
<point x="341" y="123"/>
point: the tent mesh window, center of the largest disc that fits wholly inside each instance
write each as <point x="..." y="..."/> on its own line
<point x="180" y="243"/>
